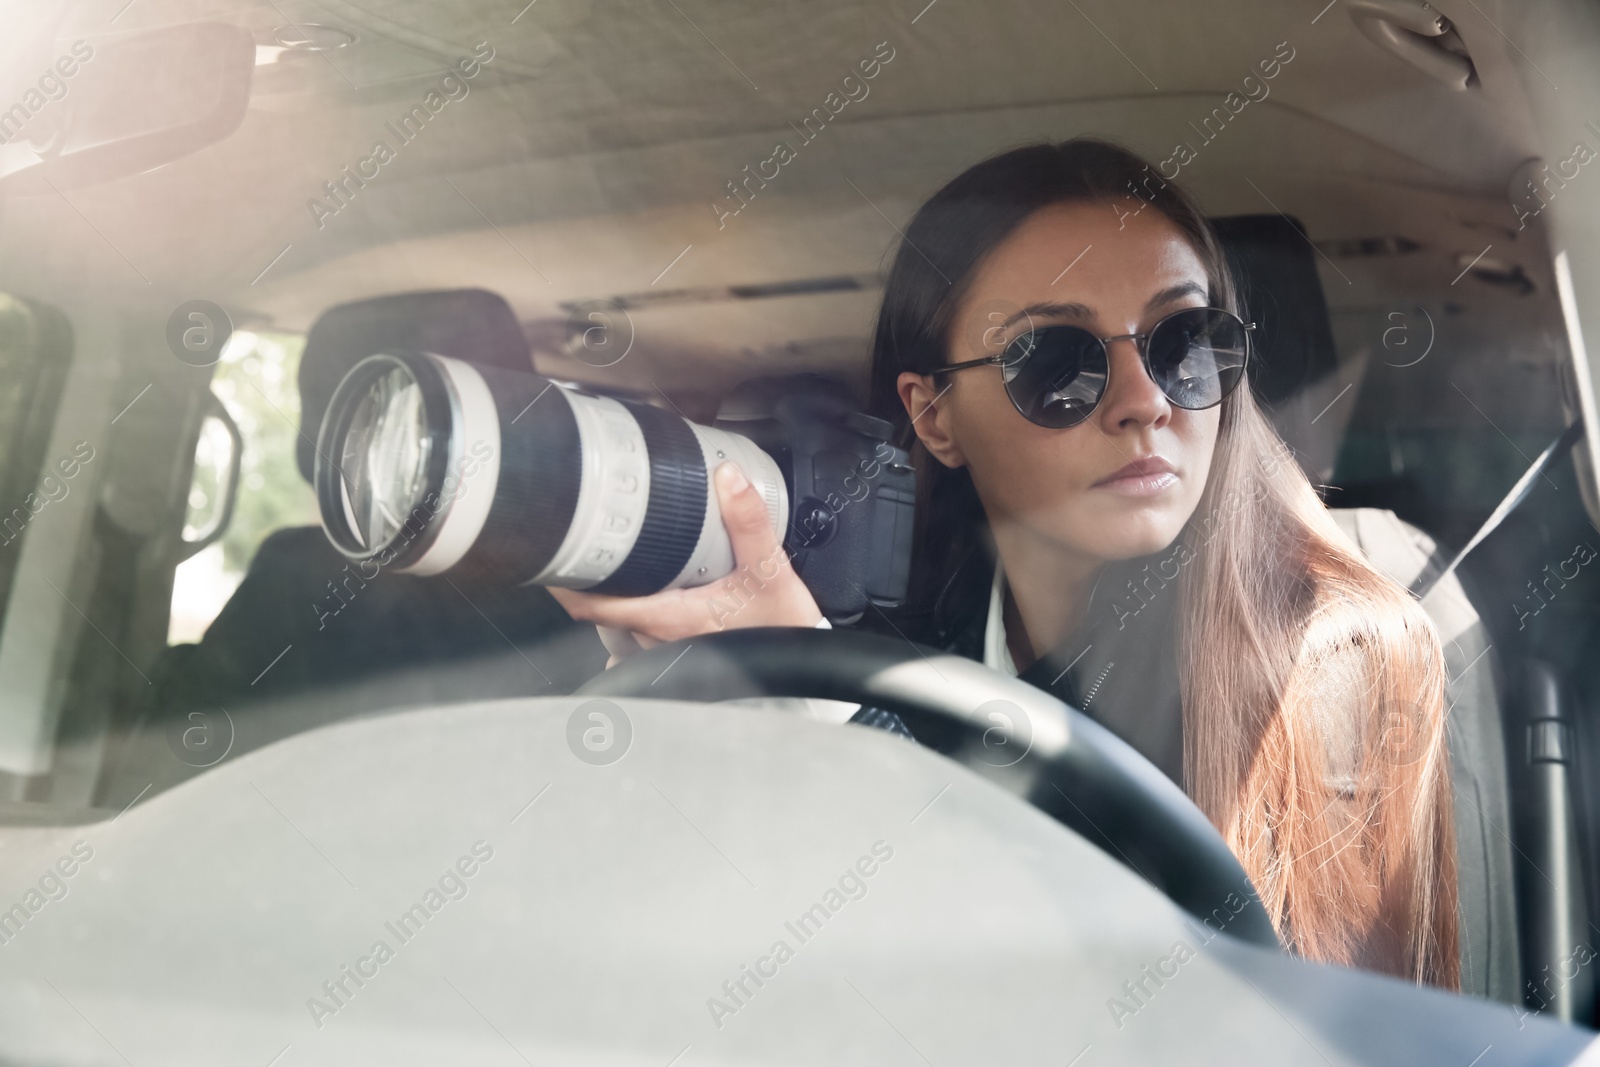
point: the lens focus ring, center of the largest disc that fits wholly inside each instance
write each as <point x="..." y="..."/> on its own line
<point x="675" y="511"/>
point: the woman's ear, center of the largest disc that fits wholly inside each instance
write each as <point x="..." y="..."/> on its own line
<point x="920" y="393"/>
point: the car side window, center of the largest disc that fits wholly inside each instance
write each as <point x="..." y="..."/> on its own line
<point x="35" y="351"/>
<point x="255" y="386"/>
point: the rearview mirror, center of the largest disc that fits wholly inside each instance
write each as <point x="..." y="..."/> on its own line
<point x="106" y="110"/>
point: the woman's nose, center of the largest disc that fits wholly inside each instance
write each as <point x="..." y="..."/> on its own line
<point x="1132" y="397"/>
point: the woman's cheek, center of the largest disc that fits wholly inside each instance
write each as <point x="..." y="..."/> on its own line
<point x="1044" y="476"/>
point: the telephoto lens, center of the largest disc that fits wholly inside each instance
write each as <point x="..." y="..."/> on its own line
<point x="429" y="464"/>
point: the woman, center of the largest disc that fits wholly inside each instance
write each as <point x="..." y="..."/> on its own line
<point x="1103" y="510"/>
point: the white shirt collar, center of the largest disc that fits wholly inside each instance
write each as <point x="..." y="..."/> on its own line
<point x="996" y="653"/>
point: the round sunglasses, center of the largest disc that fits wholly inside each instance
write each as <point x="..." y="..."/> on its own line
<point x="1056" y="375"/>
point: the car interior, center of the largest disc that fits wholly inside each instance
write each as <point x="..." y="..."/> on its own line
<point x="1414" y="300"/>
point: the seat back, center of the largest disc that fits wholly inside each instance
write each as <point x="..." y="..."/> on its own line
<point x="1490" y="944"/>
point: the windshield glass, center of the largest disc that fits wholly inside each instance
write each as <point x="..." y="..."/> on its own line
<point x="1218" y="374"/>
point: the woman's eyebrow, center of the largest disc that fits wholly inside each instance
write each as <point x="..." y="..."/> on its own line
<point x="1177" y="292"/>
<point x="1081" y="312"/>
<point x="1050" y="310"/>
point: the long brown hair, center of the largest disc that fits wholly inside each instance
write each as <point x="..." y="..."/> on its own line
<point x="1312" y="684"/>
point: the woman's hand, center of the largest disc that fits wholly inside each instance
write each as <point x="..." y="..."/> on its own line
<point x="761" y="590"/>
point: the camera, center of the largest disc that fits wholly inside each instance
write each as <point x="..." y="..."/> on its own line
<point x="431" y="464"/>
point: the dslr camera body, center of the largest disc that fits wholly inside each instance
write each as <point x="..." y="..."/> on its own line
<point x="852" y="493"/>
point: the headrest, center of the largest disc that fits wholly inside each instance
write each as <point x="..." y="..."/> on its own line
<point x="468" y="324"/>
<point x="1276" y="268"/>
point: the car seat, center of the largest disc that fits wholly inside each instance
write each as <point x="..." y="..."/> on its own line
<point x="1295" y="377"/>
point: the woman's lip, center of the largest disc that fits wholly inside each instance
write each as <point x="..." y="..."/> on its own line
<point x="1139" y="484"/>
<point x="1145" y="468"/>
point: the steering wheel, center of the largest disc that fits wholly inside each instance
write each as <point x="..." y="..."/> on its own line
<point x="1051" y="755"/>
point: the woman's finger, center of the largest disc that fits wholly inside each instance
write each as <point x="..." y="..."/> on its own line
<point x="762" y="590"/>
<point x="756" y="545"/>
<point x="641" y="614"/>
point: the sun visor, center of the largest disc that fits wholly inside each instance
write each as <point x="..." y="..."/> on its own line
<point x="96" y="111"/>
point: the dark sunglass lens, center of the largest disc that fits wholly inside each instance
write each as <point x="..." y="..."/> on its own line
<point x="1056" y="375"/>
<point x="1198" y="356"/>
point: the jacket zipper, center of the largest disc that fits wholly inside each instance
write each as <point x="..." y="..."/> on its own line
<point x="1095" y="688"/>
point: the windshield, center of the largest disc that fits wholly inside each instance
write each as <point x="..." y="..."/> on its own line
<point x="1219" y="373"/>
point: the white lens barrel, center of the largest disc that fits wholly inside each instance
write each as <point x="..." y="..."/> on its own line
<point x="613" y="494"/>
<point x="464" y="498"/>
<point x="713" y="552"/>
<point x="528" y="482"/>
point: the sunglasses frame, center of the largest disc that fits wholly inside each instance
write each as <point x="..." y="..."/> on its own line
<point x="1141" y="341"/>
